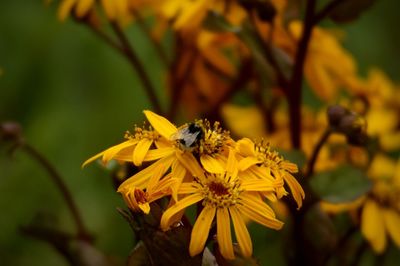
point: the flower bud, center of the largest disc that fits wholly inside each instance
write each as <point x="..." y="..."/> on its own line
<point x="10" y="131"/>
<point x="335" y="114"/>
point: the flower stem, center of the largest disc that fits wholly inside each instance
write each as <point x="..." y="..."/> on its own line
<point x="83" y="233"/>
<point x="294" y="92"/>
<point x="132" y="57"/>
<point x="326" y="10"/>
<point x="317" y="149"/>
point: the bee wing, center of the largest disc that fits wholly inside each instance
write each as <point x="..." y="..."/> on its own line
<point x="180" y="134"/>
<point x="190" y="138"/>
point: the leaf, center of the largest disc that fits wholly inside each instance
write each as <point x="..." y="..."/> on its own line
<point x="349" y="10"/>
<point x="341" y="185"/>
<point x="295" y="156"/>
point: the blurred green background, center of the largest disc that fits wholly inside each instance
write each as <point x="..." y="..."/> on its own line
<point x="74" y="96"/>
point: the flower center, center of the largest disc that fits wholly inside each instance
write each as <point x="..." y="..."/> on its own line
<point x="387" y="195"/>
<point x="220" y="193"/>
<point x="142" y="133"/>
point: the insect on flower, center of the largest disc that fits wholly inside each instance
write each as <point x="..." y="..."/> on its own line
<point x="188" y="136"/>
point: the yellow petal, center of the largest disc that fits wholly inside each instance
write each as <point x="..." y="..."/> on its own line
<point x="141" y="150"/>
<point x="254" y="201"/>
<point x="192" y="14"/>
<point x="178" y="172"/>
<point x="232" y="164"/>
<point x="157" y="174"/>
<point x="261" y="215"/>
<point x="109" y="9"/>
<point x="242" y="235"/>
<point x="111" y="152"/>
<point x="245" y="147"/>
<point x="190" y="163"/>
<point x="93" y="158"/>
<point x="65" y="9"/>
<point x="145" y="207"/>
<point x="224" y="234"/>
<point x="211" y="164"/>
<point x="295" y="188"/>
<point x="156" y="154"/>
<point x="83" y="6"/>
<point x="141" y="178"/>
<point x="161" y="124"/>
<point x="392" y="223"/>
<point x="174" y="209"/>
<point x="247" y="162"/>
<point x="372" y="226"/>
<point x="200" y="230"/>
<point x="257" y="185"/>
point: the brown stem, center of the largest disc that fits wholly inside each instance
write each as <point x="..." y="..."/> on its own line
<point x="83" y="233"/>
<point x="324" y="12"/>
<point x="294" y="92"/>
<point x="317" y="149"/>
<point x="128" y="51"/>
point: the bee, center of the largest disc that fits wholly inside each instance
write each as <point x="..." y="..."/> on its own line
<point x="189" y="136"/>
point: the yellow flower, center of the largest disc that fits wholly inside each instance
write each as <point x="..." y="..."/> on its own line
<point x="114" y="9"/>
<point x="261" y="162"/>
<point x="188" y="14"/>
<point x="380" y="208"/>
<point x="224" y="197"/>
<point x="135" y="149"/>
<point x="209" y="143"/>
<point x="139" y="200"/>
<point x="328" y="66"/>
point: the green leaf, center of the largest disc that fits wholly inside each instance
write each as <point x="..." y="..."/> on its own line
<point x="341" y="185"/>
<point x="349" y="10"/>
<point x="295" y="156"/>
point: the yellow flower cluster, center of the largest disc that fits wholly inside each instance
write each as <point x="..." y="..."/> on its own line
<point x="200" y="163"/>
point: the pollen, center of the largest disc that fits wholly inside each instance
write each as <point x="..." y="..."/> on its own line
<point x="273" y="159"/>
<point x="215" y="138"/>
<point x="219" y="192"/>
<point x="142" y="133"/>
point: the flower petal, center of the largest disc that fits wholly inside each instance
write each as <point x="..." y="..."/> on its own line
<point x="373" y="227"/>
<point x="190" y="163"/>
<point x="161" y="124"/>
<point x="257" y="185"/>
<point x="178" y="172"/>
<point x="141" y="178"/>
<point x="141" y="150"/>
<point x="245" y="147"/>
<point x="178" y="206"/>
<point x="253" y="201"/>
<point x="232" y="164"/>
<point x="201" y="230"/>
<point x="224" y="236"/>
<point x="295" y="188"/>
<point x="211" y="164"/>
<point x="83" y="7"/>
<point x="242" y="235"/>
<point x="392" y="223"/>
<point x="262" y="217"/>
<point x="156" y="154"/>
<point x="111" y="152"/>
<point x="245" y="163"/>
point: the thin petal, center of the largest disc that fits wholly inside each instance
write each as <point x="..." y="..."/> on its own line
<point x="157" y="174"/>
<point x="295" y="188"/>
<point x="232" y="164"/>
<point x="392" y="223"/>
<point x="224" y="236"/>
<point x="161" y="124"/>
<point x="373" y="227"/>
<point x="145" y="207"/>
<point x="211" y="164"/>
<point x="83" y="7"/>
<point x="254" y="202"/>
<point x="92" y="159"/>
<point x="201" y="230"/>
<point x="111" y="152"/>
<point x="141" y="150"/>
<point x="245" y="163"/>
<point x="190" y="163"/>
<point x="65" y="9"/>
<point x="246" y="147"/>
<point x="189" y="188"/>
<point x="242" y="235"/>
<point x="257" y="185"/>
<point x="178" y="172"/>
<point x="174" y="209"/>
<point x="156" y="154"/>
<point x="141" y="178"/>
<point x="261" y="217"/>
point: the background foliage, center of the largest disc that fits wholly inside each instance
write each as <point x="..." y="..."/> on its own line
<point x="73" y="96"/>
